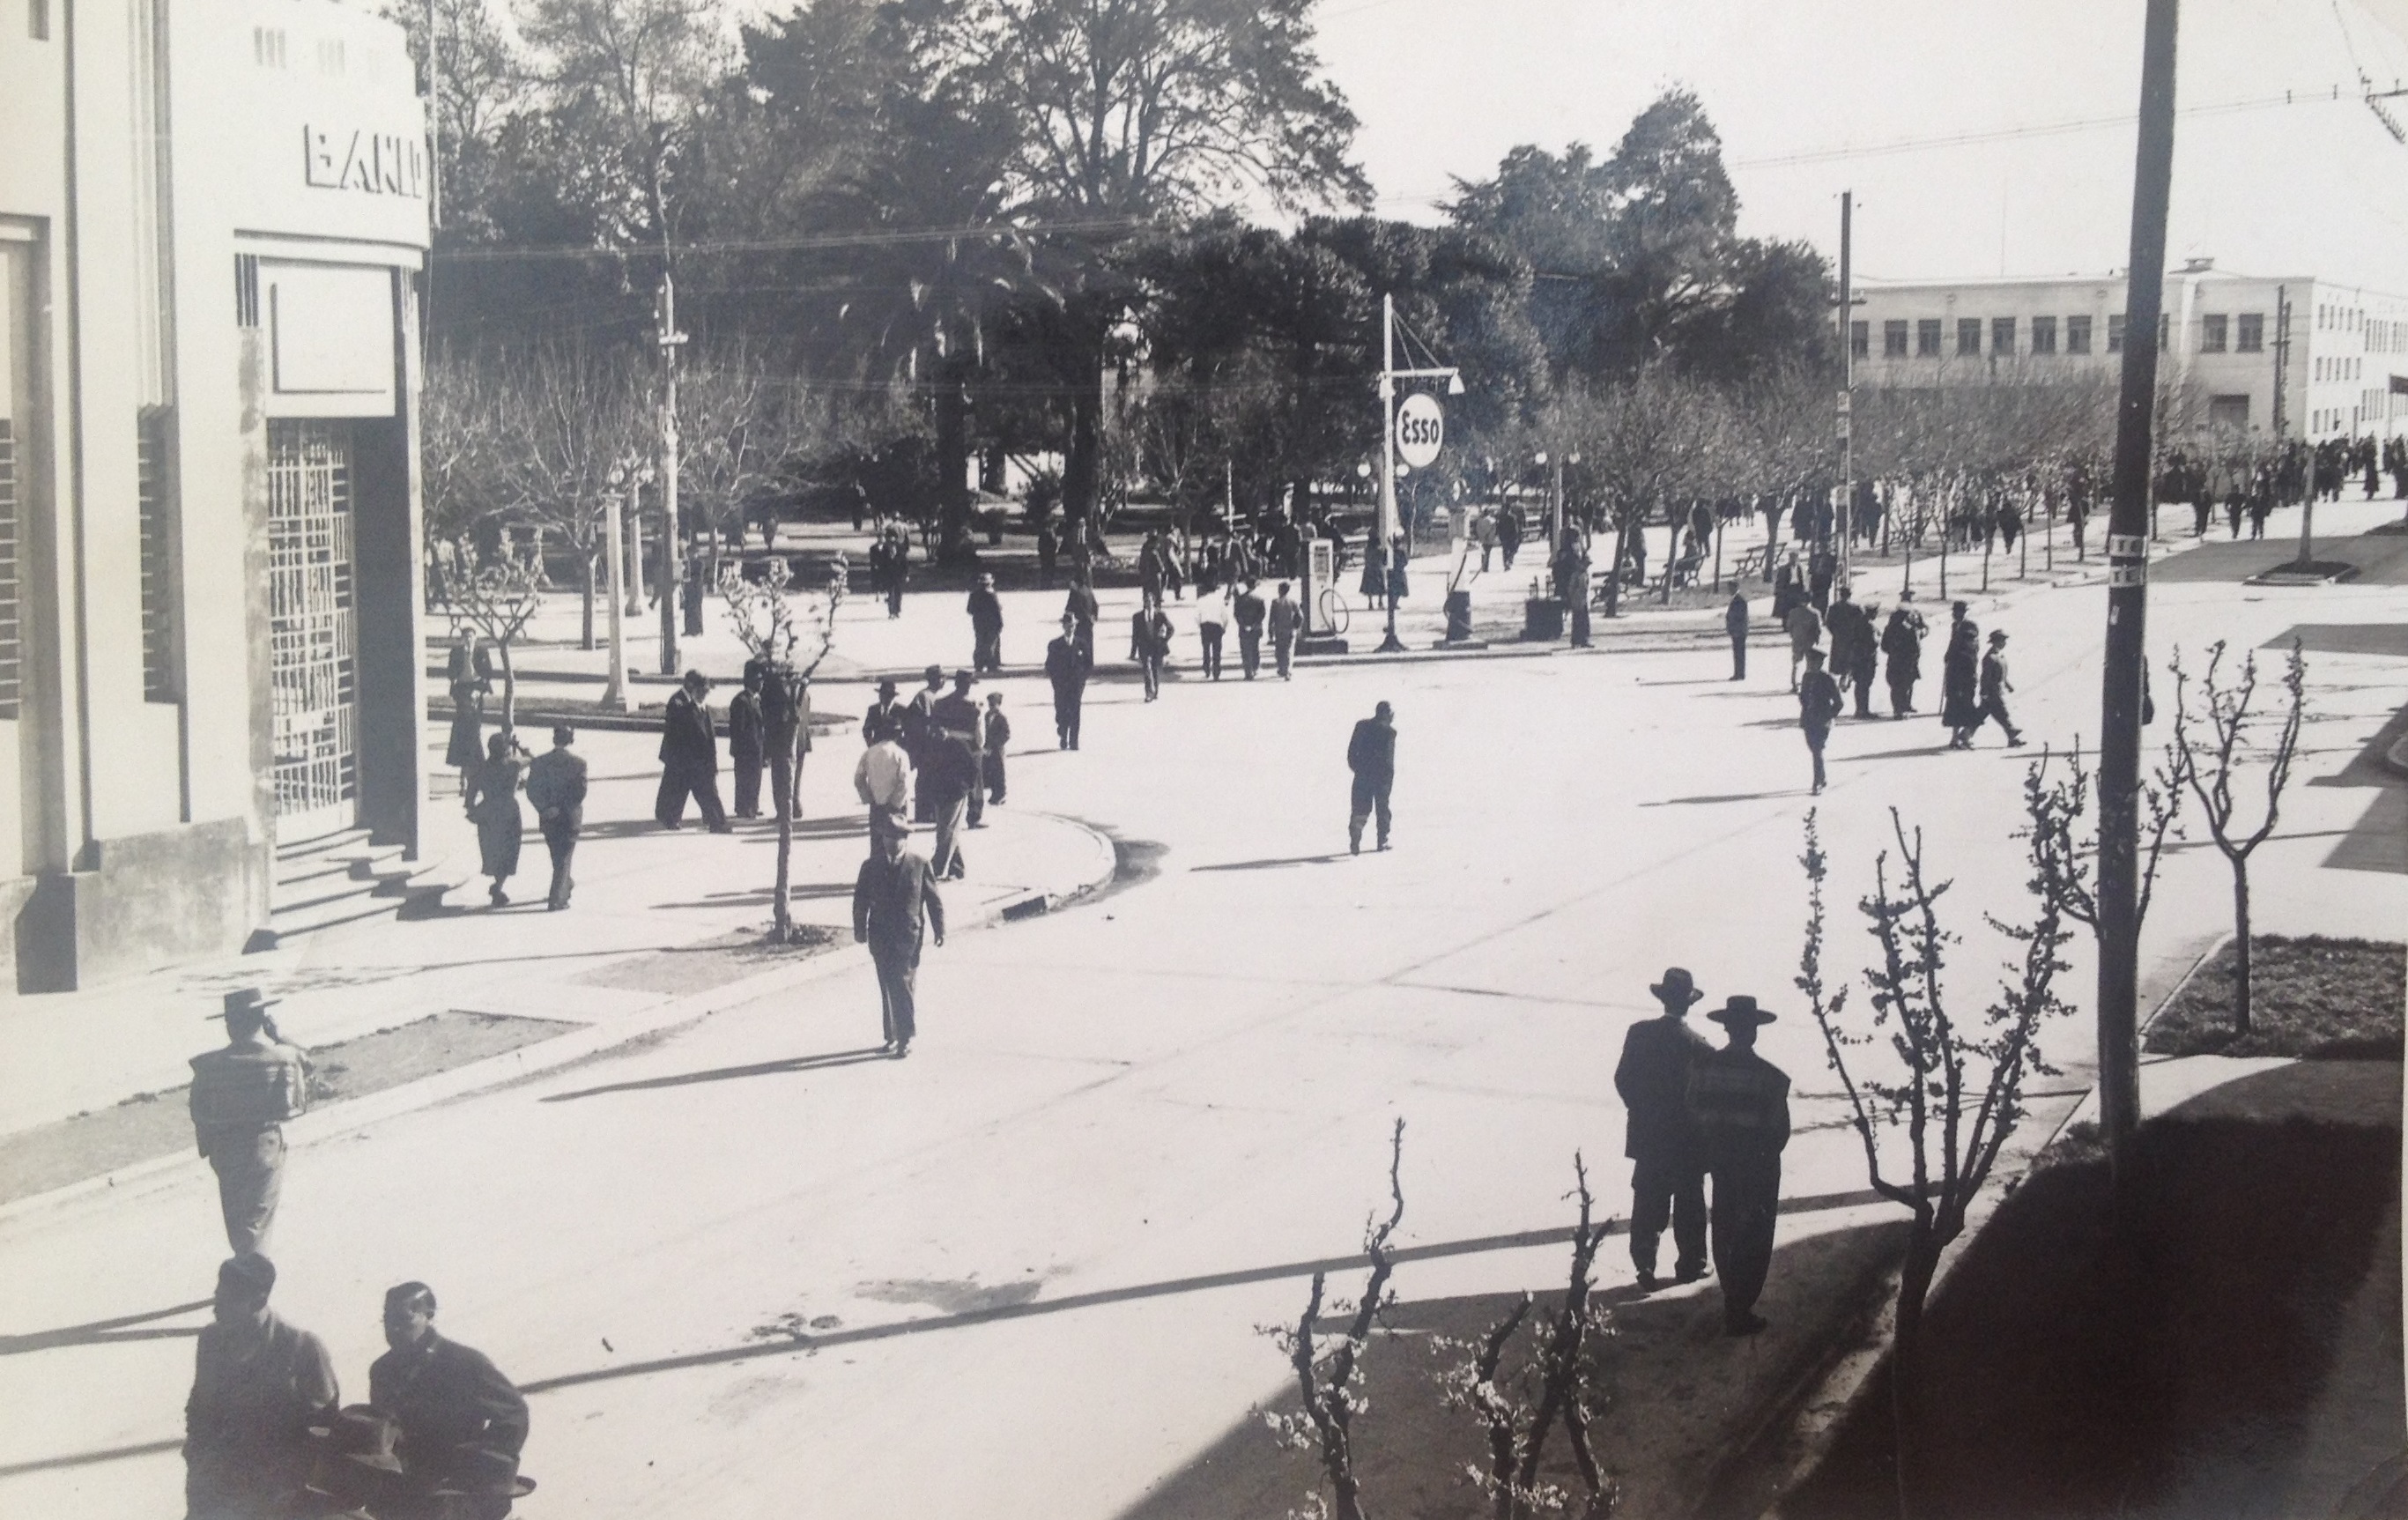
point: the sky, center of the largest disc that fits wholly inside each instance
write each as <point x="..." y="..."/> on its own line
<point x="1443" y="88"/>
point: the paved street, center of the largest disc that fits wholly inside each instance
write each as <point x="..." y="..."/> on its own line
<point x="1189" y="1077"/>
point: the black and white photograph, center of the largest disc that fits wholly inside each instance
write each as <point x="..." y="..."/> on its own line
<point x="1179" y="760"/>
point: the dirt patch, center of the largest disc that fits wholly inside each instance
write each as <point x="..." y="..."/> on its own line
<point x="161" y="1123"/>
<point x="1677" y="1397"/>
<point x="2232" y="1349"/>
<point x="709" y="962"/>
<point x="2314" y="998"/>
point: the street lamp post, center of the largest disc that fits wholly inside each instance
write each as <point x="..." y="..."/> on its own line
<point x="621" y="485"/>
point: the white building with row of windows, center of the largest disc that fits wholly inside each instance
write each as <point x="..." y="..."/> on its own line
<point x="2297" y="356"/>
<point x="212" y="221"/>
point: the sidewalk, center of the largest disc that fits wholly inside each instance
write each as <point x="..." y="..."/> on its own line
<point x="664" y="928"/>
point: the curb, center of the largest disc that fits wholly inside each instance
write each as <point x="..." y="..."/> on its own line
<point x="511" y="1066"/>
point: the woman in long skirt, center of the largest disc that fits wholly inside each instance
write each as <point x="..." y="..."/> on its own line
<point x="493" y="800"/>
<point x="1960" y="668"/>
<point x="469" y="674"/>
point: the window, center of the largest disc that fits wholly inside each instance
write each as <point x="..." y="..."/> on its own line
<point x="2077" y="335"/>
<point x="1894" y="340"/>
<point x="2251" y="338"/>
<point x="2229" y="411"/>
<point x="2003" y="337"/>
<point x="154" y="509"/>
<point x="1860" y="338"/>
<point x="2043" y="334"/>
<point x="1927" y="337"/>
<point x="12" y="643"/>
<point x="1968" y="336"/>
<point x="2165" y="331"/>
<point x="2116" y="332"/>
<point x="2211" y="335"/>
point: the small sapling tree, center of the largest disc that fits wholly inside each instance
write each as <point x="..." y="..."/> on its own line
<point x="1519" y="1412"/>
<point x="1329" y="1374"/>
<point x="2065" y="859"/>
<point x="2220" y="740"/>
<point x="1953" y="1095"/>
<point x="786" y="652"/>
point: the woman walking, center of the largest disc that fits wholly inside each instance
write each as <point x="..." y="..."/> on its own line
<point x="1960" y="683"/>
<point x="470" y="674"/>
<point x="492" y="802"/>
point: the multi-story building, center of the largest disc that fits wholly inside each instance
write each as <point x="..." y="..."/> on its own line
<point x="211" y="220"/>
<point x="2338" y="355"/>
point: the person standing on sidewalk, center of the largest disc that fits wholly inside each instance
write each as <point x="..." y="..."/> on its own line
<point x="258" y="1385"/>
<point x="1247" y="607"/>
<point x="1960" y="704"/>
<point x="1995" y="687"/>
<point x="883" y="776"/>
<point x="886" y="712"/>
<point x="1818" y="707"/>
<point x="1740" y="1102"/>
<point x="960" y="722"/>
<point x="1804" y="626"/>
<point x="894" y="899"/>
<point x="240" y="1096"/>
<point x="1066" y="668"/>
<point x="1286" y="618"/>
<point x="1150" y="644"/>
<point x="998" y="737"/>
<point x="555" y="786"/>
<point x="1211" y="623"/>
<point x="690" y="759"/>
<point x="1902" y="642"/>
<point x="1668" y="1173"/>
<point x="469" y="673"/>
<point x="1081" y="607"/>
<point x="1735" y="625"/>
<point x="919" y="738"/>
<point x="492" y="806"/>
<point x="745" y="748"/>
<point x="1371" y="755"/>
<point x="986" y="627"/>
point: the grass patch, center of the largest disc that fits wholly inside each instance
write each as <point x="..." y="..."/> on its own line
<point x="2315" y="999"/>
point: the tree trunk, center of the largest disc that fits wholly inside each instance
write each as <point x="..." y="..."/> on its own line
<point x="953" y="458"/>
<point x="1614" y="576"/>
<point x="1771" y="536"/>
<point x="1082" y="456"/>
<point x="585" y="609"/>
<point x="1914" y="1287"/>
<point x="509" y="691"/>
<point x="2241" y="1006"/>
<point x="785" y="742"/>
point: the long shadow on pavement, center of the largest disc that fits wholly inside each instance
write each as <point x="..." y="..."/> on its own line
<point x="104" y="1331"/>
<point x="1271" y="865"/>
<point x="732" y="1073"/>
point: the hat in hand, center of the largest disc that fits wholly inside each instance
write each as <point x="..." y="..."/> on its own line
<point x="1677" y="986"/>
<point x="1740" y="1013"/>
<point x="362" y="1437"/>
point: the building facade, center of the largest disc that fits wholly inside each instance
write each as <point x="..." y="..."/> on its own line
<point x="212" y="221"/>
<point x="2336" y="355"/>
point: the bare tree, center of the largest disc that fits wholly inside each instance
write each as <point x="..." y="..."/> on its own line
<point x="497" y="596"/>
<point x="787" y="654"/>
<point x="1954" y="1095"/>
<point x="2214" y="760"/>
<point x="2064" y="859"/>
<point x="1330" y="1376"/>
<point x="462" y="472"/>
<point x="1518" y="1415"/>
<point x="563" y="415"/>
<point x="736" y="424"/>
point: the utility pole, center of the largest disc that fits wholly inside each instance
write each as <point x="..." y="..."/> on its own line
<point x="2128" y="601"/>
<point x="671" y="566"/>
<point x="1389" y="374"/>
<point x="614" y="696"/>
<point x="1847" y="390"/>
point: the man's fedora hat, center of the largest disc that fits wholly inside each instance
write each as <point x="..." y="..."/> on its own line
<point x="361" y="1436"/>
<point x="1740" y="1010"/>
<point x="245" y="1000"/>
<point x="1677" y="983"/>
<point x="887" y="687"/>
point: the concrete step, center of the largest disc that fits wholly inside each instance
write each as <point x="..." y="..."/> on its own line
<point x="346" y="879"/>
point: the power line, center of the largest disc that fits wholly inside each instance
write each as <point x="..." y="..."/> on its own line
<point x="2043" y="129"/>
<point x="797" y="245"/>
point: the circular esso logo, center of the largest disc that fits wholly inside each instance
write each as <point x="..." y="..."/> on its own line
<point x="1421" y="427"/>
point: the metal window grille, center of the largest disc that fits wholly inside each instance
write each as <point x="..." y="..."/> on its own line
<point x="12" y="626"/>
<point x="155" y="510"/>
<point x="313" y="629"/>
<point x="246" y="290"/>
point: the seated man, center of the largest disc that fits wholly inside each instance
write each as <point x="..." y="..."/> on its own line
<point x="462" y="1424"/>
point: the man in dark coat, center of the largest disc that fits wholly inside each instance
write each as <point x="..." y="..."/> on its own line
<point x="886" y="714"/>
<point x="1818" y="706"/>
<point x="240" y="1096"/>
<point x="1509" y="532"/>
<point x="1740" y="1102"/>
<point x="1066" y="668"/>
<point x="745" y="747"/>
<point x="1371" y="755"/>
<point x="1083" y="610"/>
<point x="555" y="786"/>
<point x="1286" y="619"/>
<point x="894" y="897"/>
<point x="258" y="1385"/>
<point x="689" y="758"/>
<point x="1150" y="644"/>
<point x="996" y="740"/>
<point x="951" y="780"/>
<point x="1960" y="706"/>
<point x="1735" y="625"/>
<point x="919" y="729"/>
<point x="1902" y="642"/>
<point x="463" y="1424"/>
<point x="986" y="627"/>
<point x="1852" y="648"/>
<point x="1667" y="1177"/>
<point x="1249" y="612"/>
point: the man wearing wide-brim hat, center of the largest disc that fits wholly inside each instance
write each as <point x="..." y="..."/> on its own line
<point x="1668" y="1180"/>
<point x="1740" y="1102"/>
<point x="241" y="1095"/>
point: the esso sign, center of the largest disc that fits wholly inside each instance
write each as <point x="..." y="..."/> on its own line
<point x="1421" y="427"/>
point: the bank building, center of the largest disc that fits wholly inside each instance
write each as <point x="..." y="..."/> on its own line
<point x="213" y="225"/>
